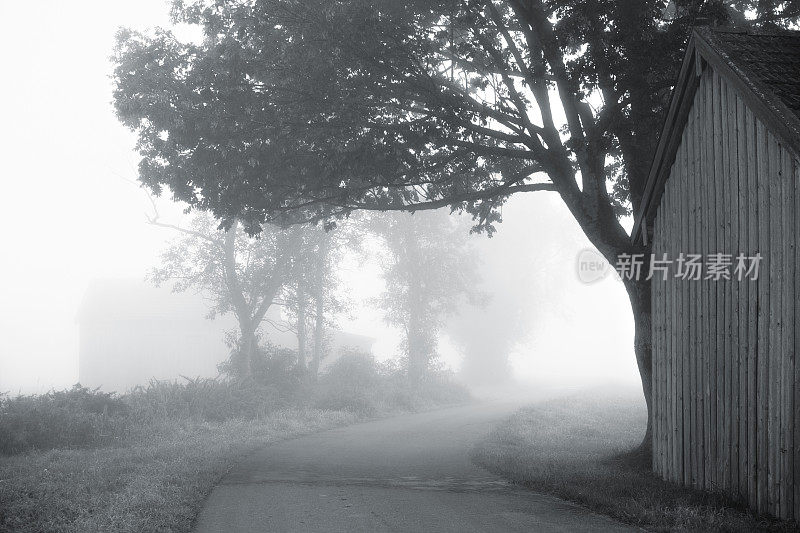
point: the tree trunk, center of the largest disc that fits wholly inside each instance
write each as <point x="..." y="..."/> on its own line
<point x="417" y="363"/>
<point x="322" y="265"/>
<point x="641" y="305"/>
<point x="301" y="326"/>
<point x="319" y="334"/>
<point x="611" y="240"/>
<point x="243" y="366"/>
<point x="416" y="329"/>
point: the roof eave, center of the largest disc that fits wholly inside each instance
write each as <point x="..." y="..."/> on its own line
<point x="686" y="75"/>
<point x="763" y="103"/>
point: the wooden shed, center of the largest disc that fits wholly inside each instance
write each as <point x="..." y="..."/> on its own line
<point x="726" y="180"/>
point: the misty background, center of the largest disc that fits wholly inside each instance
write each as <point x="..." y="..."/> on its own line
<point x="72" y="215"/>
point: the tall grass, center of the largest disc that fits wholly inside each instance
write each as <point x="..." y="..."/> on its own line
<point x="80" y="417"/>
<point x="357" y="383"/>
<point x="578" y="448"/>
<point x="68" y="418"/>
<point x="173" y="441"/>
<point x="154" y="482"/>
<point x="210" y="400"/>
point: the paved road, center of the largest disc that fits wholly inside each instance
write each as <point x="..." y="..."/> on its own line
<point x="408" y="473"/>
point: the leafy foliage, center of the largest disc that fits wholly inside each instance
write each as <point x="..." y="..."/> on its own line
<point x="326" y="106"/>
<point x="75" y="417"/>
<point x="206" y="259"/>
<point x="239" y="273"/>
<point x="308" y="110"/>
<point x="81" y="417"/>
<point x="310" y="298"/>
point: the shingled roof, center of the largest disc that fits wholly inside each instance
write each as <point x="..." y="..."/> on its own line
<point x="765" y="69"/>
<point x="767" y="62"/>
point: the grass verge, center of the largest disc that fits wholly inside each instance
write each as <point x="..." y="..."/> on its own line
<point x="576" y="448"/>
<point x="81" y="460"/>
<point x="156" y="481"/>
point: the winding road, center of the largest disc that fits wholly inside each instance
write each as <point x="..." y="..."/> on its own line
<point x="407" y="473"/>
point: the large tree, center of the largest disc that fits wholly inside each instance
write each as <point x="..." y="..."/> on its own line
<point x="312" y="109"/>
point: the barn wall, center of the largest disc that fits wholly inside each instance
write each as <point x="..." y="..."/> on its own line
<point x="120" y="354"/>
<point x="725" y="379"/>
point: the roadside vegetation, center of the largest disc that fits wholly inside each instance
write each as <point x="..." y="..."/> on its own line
<point x="577" y="448"/>
<point x="82" y="460"/>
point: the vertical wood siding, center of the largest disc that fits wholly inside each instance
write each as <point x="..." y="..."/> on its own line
<point x="726" y="385"/>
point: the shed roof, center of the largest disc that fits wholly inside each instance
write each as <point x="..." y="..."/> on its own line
<point x="771" y="59"/>
<point x="764" y="66"/>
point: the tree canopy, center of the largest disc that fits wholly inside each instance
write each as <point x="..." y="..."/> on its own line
<point x="315" y="108"/>
<point x="304" y="110"/>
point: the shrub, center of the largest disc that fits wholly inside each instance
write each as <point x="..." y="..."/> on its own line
<point x="277" y="367"/>
<point x="353" y="370"/>
<point x="271" y="366"/>
<point x="351" y="383"/>
<point x="440" y="388"/>
<point x="80" y="417"/>
<point x="210" y="400"/>
<point x="75" y="417"/>
<point x="357" y="383"/>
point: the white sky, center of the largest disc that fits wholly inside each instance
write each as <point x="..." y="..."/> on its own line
<point x="69" y="216"/>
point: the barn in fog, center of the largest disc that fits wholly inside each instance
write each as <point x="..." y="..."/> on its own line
<point x="725" y="180"/>
<point x="131" y="332"/>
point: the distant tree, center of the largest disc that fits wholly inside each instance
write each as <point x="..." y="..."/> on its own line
<point x="523" y="275"/>
<point x="310" y="296"/>
<point x="321" y="107"/>
<point x="430" y="271"/>
<point x="487" y="334"/>
<point x="239" y="274"/>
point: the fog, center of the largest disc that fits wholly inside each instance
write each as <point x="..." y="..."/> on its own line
<point x="72" y="213"/>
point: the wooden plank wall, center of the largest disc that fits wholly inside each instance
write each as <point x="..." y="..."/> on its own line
<point x="725" y="380"/>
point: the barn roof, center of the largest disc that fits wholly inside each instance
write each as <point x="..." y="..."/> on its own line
<point x="765" y="69"/>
